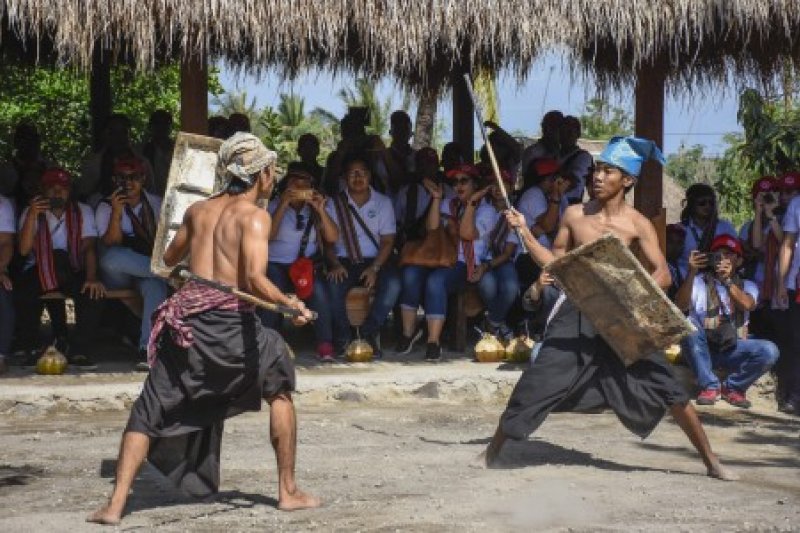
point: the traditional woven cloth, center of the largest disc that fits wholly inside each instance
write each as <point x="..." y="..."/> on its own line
<point x="192" y="299"/>
<point x="43" y="249"/>
<point x="456" y="212"/>
<point x="241" y="157"/>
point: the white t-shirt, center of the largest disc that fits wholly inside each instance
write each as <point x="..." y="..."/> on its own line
<point x="791" y="224"/>
<point x="423" y="198"/>
<point x="697" y="314"/>
<point x="486" y="219"/>
<point x="103" y="215"/>
<point x="377" y="214"/>
<point x="7" y="219"/>
<point x="693" y="234"/>
<point x="58" y="228"/>
<point x="744" y="236"/>
<point x="286" y="244"/>
<point x="482" y="224"/>
<point x="534" y="204"/>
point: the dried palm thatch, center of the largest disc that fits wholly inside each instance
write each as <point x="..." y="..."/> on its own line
<point x="420" y="41"/>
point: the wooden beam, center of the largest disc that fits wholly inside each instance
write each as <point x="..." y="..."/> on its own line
<point x="463" y="115"/>
<point x="649" y="123"/>
<point x="100" y="98"/>
<point x="194" y="94"/>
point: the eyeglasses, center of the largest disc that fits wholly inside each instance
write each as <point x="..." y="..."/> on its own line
<point x="706" y="202"/>
<point x="357" y="174"/>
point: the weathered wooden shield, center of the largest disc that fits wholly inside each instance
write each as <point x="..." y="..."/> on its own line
<point x="620" y="299"/>
<point x="192" y="177"/>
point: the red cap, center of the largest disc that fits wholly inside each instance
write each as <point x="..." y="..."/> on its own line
<point x="545" y="166"/>
<point x="790" y="181"/>
<point x="129" y="165"/>
<point x="55" y="176"/>
<point x="464" y="169"/>
<point x="765" y="184"/>
<point x="727" y="241"/>
<point x="301" y="272"/>
<point x="676" y="229"/>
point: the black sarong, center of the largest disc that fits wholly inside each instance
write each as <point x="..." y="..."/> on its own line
<point x="233" y="363"/>
<point x="576" y="370"/>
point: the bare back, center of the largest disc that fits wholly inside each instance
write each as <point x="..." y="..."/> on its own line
<point x="240" y="239"/>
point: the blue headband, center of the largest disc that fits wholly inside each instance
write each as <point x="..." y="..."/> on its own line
<point x="628" y="153"/>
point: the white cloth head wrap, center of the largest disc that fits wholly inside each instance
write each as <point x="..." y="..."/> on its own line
<point x="241" y="157"/>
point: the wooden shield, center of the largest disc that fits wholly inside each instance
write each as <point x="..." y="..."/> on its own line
<point x="192" y="177"/>
<point x="623" y="303"/>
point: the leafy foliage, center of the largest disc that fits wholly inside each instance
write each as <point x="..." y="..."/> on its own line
<point x="603" y="121"/>
<point x="691" y="165"/>
<point x="57" y="101"/>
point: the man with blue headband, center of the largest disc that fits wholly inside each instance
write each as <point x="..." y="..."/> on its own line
<point x="575" y="369"/>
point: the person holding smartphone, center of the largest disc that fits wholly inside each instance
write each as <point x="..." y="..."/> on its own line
<point x="58" y="236"/>
<point x="126" y="224"/>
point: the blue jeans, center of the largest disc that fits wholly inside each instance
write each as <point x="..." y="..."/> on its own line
<point x="437" y="284"/>
<point x="6" y="321"/>
<point x="278" y="273"/>
<point x="122" y="268"/>
<point x="748" y="361"/>
<point x="387" y="290"/>
<point x="499" y="289"/>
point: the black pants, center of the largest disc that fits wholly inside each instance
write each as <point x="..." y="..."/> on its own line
<point x="28" y="289"/>
<point x="788" y="366"/>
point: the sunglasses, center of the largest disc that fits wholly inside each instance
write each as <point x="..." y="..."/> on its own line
<point x="706" y="202"/>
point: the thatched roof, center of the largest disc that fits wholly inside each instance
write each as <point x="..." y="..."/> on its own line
<point x="419" y="40"/>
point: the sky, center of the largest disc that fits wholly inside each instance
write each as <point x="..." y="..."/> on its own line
<point x="690" y="118"/>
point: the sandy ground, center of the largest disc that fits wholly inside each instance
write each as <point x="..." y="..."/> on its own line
<point x="409" y="467"/>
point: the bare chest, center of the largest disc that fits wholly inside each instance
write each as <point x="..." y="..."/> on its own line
<point x="589" y="228"/>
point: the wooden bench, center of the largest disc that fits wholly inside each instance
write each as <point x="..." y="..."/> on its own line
<point x="129" y="297"/>
<point x="468" y="304"/>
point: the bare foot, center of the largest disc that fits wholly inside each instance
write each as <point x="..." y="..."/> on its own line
<point x="298" y="500"/>
<point x="105" y="516"/>
<point x="717" y="471"/>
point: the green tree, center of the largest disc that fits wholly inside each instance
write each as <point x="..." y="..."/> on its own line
<point x="691" y="165"/>
<point x="603" y="121"/>
<point x="57" y="101"/>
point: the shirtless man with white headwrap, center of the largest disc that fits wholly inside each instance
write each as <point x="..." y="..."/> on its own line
<point x="210" y="357"/>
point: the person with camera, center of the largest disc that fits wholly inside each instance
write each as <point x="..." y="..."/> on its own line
<point x="126" y="223"/>
<point x="787" y="293"/>
<point x="57" y="237"/>
<point x="700" y="218"/>
<point x="718" y="303"/>
<point x="299" y="223"/>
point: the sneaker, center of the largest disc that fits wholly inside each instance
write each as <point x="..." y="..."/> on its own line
<point x="736" y="398"/>
<point x="82" y="362"/>
<point x="325" y="352"/>
<point x="707" y="397"/>
<point x="433" y="352"/>
<point x="141" y="361"/>
<point x="406" y="344"/>
<point x="504" y="334"/>
<point x="374" y="343"/>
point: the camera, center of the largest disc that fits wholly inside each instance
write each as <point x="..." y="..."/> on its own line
<point x="304" y="194"/>
<point x="57" y="203"/>
<point x="769" y="198"/>
<point x="714" y="259"/>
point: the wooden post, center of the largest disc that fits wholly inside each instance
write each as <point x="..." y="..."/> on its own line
<point x="649" y="123"/>
<point x="99" y="95"/>
<point x="194" y="94"/>
<point x="463" y="115"/>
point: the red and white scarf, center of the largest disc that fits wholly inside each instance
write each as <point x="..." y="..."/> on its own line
<point x="144" y="226"/>
<point x="467" y="247"/>
<point x="348" y="229"/>
<point x="43" y="247"/>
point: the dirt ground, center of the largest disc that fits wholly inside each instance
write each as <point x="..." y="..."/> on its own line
<point x="409" y="467"/>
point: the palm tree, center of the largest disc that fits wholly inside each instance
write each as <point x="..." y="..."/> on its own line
<point x="485" y="85"/>
<point x="425" y="123"/>
<point x="230" y="102"/>
<point x="291" y="112"/>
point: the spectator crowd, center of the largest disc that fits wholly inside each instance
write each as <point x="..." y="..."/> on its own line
<point x="364" y="218"/>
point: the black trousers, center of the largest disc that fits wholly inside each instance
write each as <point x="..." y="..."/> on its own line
<point x="28" y="289"/>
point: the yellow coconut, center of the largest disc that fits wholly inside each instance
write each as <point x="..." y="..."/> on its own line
<point x="673" y="354"/>
<point x="519" y="349"/>
<point x="52" y="362"/>
<point x="359" y="351"/>
<point x="489" y="349"/>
